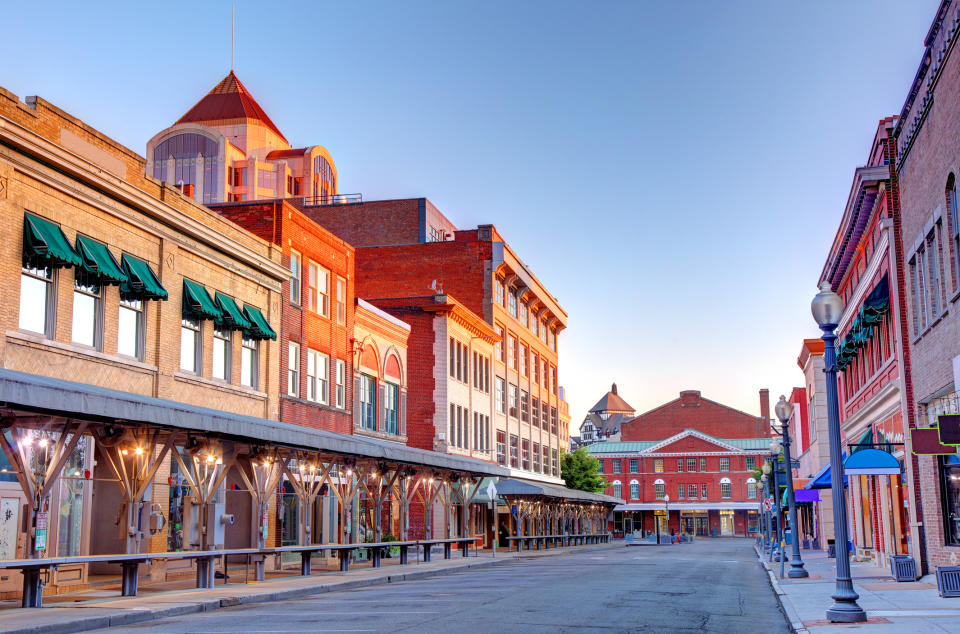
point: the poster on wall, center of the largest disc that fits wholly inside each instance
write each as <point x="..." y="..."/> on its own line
<point x="9" y="526"/>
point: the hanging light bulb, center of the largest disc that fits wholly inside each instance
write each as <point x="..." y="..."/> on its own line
<point x="42" y="442"/>
<point x="138" y="451"/>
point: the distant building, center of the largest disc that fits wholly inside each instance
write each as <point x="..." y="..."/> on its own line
<point x="604" y="419"/>
<point x="688" y="466"/>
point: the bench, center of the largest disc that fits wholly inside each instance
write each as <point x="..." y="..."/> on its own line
<point x="447" y="546"/>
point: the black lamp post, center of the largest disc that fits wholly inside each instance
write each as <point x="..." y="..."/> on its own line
<point x="766" y="514"/>
<point x="827" y="307"/>
<point x="784" y="410"/>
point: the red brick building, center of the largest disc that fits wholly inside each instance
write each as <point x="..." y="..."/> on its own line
<point x="688" y="466"/>
<point x="927" y="164"/>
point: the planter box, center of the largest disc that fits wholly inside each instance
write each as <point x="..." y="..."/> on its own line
<point x="948" y="581"/>
<point x="903" y="568"/>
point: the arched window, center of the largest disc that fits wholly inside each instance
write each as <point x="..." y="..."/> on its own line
<point x="634" y="490"/>
<point x="751" y="489"/>
<point x="184" y="149"/>
<point x="726" y="488"/>
<point x="658" y="489"/>
<point x="617" y="489"/>
<point x="954" y="227"/>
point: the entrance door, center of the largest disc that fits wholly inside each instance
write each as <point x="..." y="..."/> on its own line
<point x="702" y="526"/>
<point x="627" y="525"/>
<point x="662" y="519"/>
<point x="726" y="524"/>
<point x="689" y="526"/>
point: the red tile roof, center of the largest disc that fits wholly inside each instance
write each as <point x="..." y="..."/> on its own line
<point x="229" y="100"/>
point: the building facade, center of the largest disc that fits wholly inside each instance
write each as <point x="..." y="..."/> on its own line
<point x="687" y="467"/>
<point x="926" y="165"/>
<point x="603" y="420"/>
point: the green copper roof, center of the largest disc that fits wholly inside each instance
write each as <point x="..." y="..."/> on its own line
<point x="745" y="444"/>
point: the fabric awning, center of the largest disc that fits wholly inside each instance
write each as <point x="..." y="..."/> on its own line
<point x="259" y="329"/>
<point x="44" y="243"/>
<point x="822" y="480"/>
<point x="800" y="494"/>
<point x="871" y="462"/>
<point x="197" y="302"/>
<point x="142" y="282"/>
<point x="98" y="263"/>
<point x="34" y="393"/>
<point x="231" y="315"/>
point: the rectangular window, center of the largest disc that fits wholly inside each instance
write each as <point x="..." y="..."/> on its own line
<point x="679" y="465"/>
<point x="318" y="376"/>
<point x="190" y="358"/>
<point x="524" y="352"/>
<point x="453" y="358"/>
<point x="933" y="253"/>
<point x="751" y="463"/>
<point x="514" y="451"/>
<point x="658" y="491"/>
<point x="536" y="457"/>
<point x="751" y="491"/>
<point x="616" y="466"/>
<point x="681" y="489"/>
<point x="87" y="310"/>
<point x="703" y="464"/>
<point x="691" y="465"/>
<point x="704" y="492"/>
<point x="543" y="331"/>
<point x="553" y="379"/>
<point x="950" y="501"/>
<point x="544" y="412"/>
<point x="293" y="369"/>
<point x="501" y="448"/>
<point x="525" y="454"/>
<point x="501" y="396"/>
<point x="498" y="346"/>
<point x="726" y="490"/>
<point x="341" y="384"/>
<point x="535" y="368"/>
<point x="535" y="324"/>
<point x="249" y="362"/>
<point x="130" y="328"/>
<point x="391" y="408"/>
<point x="486" y="375"/>
<point x="524" y="406"/>
<point x="295" y="275"/>
<point x="512" y="400"/>
<point x="341" y="301"/>
<point x="512" y="305"/>
<point x="634" y="465"/>
<point x="546" y="460"/>
<point x="318" y="289"/>
<point x="498" y="289"/>
<point x="512" y="351"/>
<point x="658" y="465"/>
<point x="724" y="463"/>
<point x="634" y="490"/>
<point x="535" y="412"/>
<point x="313" y="275"/>
<point x="37" y="300"/>
<point x="955" y="227"/>
<point x="222" y="344"/>
<point x="692" y="491"/>
<point x="555" y="465"/>
<point x="553" y="421"/>
<point x="368" y="402"/>
<point x="523" y="313"/>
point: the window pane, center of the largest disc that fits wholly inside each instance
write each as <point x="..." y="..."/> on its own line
<point x="128" y="332"/>
<point x="84" y="319"/>
<point x="220" y="355"/>
<point x="33" y="304"/>
<point x="247" y="357"/>
<point x="188" y="349"/>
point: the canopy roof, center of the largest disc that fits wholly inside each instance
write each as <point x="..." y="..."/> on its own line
<point x="29" y="392"/>
<point x="822" y="480"/>
<point x="871" y="462"/>
<point x="525" y="488"/>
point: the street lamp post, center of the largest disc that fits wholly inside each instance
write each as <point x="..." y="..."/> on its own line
<point x="775" y="456"/>
<point x="769" y="488"/>
<point x="765" y="517"/>
<point x="666" y="504"/>
<point x="797" y="571"/>
<point x="827" y="307"/>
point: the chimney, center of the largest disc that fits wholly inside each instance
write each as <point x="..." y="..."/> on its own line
<point x="690" y="398"/>
<point x="764" y="430"/>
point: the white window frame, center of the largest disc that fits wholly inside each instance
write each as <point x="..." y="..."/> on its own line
<point x="134" y="308"/>
<point x="27" y="319"/>
<point x="249" y="362"/>
<point x="296" y="277"/>
<point x="341" y="300"/>
<point x="318" y="377"/>
<point x="223" y="338"/>
<point x="86" y="291"/>
<point x="341" y="401"/>
<point x="293" y="369"/>
<point x="187" y="329"/>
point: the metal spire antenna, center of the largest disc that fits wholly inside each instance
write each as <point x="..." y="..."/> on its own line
<point x="233" y="30"/>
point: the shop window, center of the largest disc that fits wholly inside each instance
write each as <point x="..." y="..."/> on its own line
<point x="950" y="487"/>
<point x="37" y="300"/>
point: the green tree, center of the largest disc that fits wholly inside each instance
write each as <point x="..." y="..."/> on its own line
<point x="581" y="471"/>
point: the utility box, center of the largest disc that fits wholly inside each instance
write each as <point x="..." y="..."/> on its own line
<point x="191" y="523"/>
<point x="217" y="521"/>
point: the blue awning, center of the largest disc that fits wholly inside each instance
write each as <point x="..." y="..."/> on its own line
<point x="822" y="480"/>
<point x="871" y="462"/>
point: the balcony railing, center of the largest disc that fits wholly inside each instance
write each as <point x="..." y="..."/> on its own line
<point x="332" y="199"/>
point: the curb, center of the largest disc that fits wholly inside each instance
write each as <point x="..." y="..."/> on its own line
<point x="793" y="619"/>
<point x="141" y="615"/>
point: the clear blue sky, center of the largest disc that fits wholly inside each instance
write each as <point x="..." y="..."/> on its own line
<point x="672" y="171"/>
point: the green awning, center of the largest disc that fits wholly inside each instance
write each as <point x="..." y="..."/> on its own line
<point x="260" y="329"/>
<point x="44" y="244"/>
<point x="142" y="282"/>
<point x="197" y="302"/>
<point x="232" y="317"/>
<point x="98" y="263"/>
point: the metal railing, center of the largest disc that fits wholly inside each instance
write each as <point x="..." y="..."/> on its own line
<point x="332" y="199"/>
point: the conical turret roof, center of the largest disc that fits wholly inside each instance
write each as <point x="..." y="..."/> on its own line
<point x="611" y="402"/>
<point x="229" y="100"/>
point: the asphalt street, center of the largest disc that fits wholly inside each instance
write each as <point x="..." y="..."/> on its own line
<point x="712" y="585"/>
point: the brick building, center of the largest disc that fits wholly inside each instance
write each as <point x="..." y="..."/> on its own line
<point x="405" y="247"/>
<point x="860" y="266"/>
<point x="926" y="164"/>
<point x="603" y="420"/>
<point x="688" y="466"/>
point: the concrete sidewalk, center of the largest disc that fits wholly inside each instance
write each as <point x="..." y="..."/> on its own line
<point x="890" y="606"/>
<point x="117" y="611"/>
